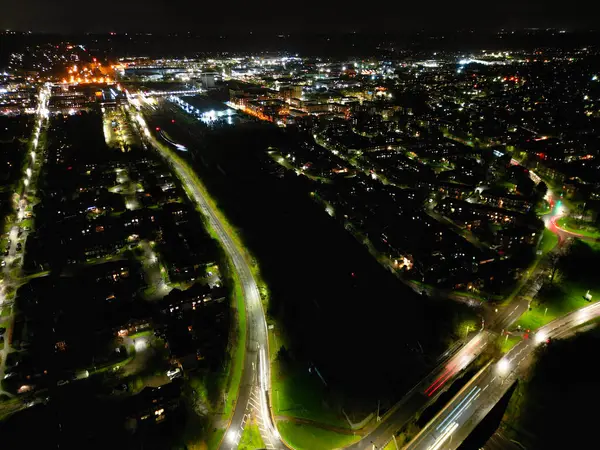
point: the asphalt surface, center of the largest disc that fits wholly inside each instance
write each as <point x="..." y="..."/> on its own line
<point x="459" y="418"/>
<point x="256" y="382"/>
<point x="425" y="392"/>
<point x="10" y="281"/>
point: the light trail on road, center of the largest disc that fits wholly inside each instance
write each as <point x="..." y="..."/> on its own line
<point x="451" y="426"/>
<point x="256" y="374"/>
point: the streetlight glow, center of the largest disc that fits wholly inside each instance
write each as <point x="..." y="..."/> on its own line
<point x="540" y="337"/>
<point x="503" y="366"/>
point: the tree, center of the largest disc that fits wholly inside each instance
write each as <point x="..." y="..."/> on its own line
<point x="283" y="355"/>
<point x="525" y="186"/>
<point x="553" y="259"/>
<point x="541" y="190"/>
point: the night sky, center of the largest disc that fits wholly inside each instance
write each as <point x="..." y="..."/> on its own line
<point x="290" y="16"/>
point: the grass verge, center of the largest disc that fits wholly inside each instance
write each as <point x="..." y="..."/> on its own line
<point x="251" y="439"/>
<point x="140" y="334"/>
<point x="507" y="342"/>
<point x="214" y="439"/>
<point x="237" y="360"/>
<point x="584" y="229"/>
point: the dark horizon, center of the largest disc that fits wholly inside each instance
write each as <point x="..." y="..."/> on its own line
<point x="158" y="16"/>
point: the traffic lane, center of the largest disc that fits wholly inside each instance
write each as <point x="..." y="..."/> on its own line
<point x="440" y="430"/>
<point x="498" y="381"/>
<point x="257" y="332"/>
<point x="459" y="418"/>
<point x="493" y="387"/>
<point x="511" y="312"/>
<point x="510" y="315"/>
<point x="254" y="336"/>
<point x="457" y="363"/>
<point x="574" y="319"/>
<point x="425" y="392"/>
<point x="477" y="397"/>
<point x="234" y="432"/>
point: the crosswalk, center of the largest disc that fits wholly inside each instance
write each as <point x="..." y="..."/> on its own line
<point x="254" y="410"/>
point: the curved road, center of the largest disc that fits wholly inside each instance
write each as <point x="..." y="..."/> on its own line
<point x="255" y="385"/>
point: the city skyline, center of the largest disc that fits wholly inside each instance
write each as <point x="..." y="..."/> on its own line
<point x="298" y="241"/>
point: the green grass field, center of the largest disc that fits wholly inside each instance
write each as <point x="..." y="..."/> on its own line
<point x="554" y="303"/>
<point x="584" y="229"/>
<point x="305" y="437"/>
<point x="297" y="393"/>
<point x="576" y="276"/>
<point x="549" y="241"/>
<point x="251" y="439"/>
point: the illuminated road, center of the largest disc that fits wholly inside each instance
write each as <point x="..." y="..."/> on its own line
<point x="12" y="261"/>
<point x="424" y="392"/>
<point x="253" y="397"/>
<point x="442" y="377"/>
<point x="451" y="426"/>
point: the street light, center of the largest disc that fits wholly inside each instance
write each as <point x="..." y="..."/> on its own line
<point x="540" y="337"/>
<point x="140" y="344"/>
<point x="503" y="366"/>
